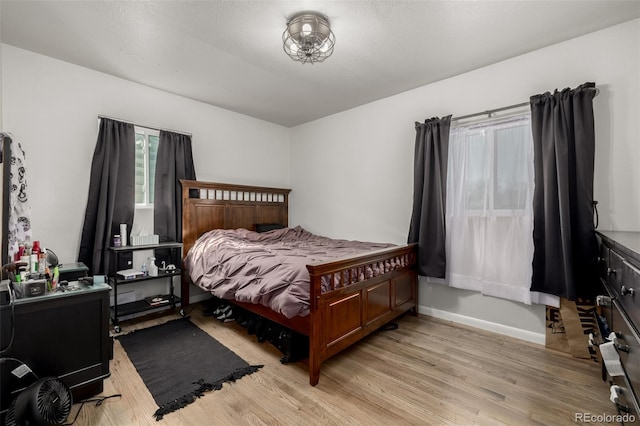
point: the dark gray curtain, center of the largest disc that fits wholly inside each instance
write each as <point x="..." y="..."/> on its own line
<point x="566" y="248"/>
<point x="174" y="162"/>
<point x="111" y="198"/>
<point x="429" y="195"/>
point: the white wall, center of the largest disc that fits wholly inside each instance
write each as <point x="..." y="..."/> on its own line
<point x="351" y="173"/>
<point x="52" y="108"/>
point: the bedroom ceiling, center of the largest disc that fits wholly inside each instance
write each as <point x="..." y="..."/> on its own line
<point x="229" y="53"/>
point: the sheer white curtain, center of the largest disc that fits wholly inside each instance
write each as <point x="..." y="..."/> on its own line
<point x="489" y="215"/>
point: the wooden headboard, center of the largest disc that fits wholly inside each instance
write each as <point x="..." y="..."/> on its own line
<point x="210" y="205"/>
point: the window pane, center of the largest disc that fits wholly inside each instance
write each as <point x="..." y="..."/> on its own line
<point x="140" y="172"/>
<point x="512" y="167"/>
<point x="153" y="154"/>
<point x="476" y="177"/>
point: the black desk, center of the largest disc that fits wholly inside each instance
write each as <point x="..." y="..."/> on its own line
<point x="61" y="334"/>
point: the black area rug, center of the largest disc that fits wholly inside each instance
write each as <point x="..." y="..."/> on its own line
<point x="178" y="362"/>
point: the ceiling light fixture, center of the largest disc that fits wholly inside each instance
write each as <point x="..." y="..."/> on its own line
<point x="308" y="38"/>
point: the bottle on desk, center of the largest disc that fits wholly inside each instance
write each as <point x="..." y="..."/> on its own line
<point x="42" y="261"/>
<point x="153" y="268"/>
<point x="123" y="234"/>
<point x="33" y="257"/>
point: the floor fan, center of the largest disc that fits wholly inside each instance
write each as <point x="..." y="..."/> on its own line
<point x="46" y="402"/>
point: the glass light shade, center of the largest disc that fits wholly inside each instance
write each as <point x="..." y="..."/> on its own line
<point x="308" y="38"/>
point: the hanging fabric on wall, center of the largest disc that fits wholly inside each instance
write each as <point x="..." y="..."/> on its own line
<point x="111" y="197"/>
<point x="429" y="195"/>
<point x="174" y="162"/>
<point x="19" y="218"/>
<point x="566" y="247"/>
<point x="489" y="216"/>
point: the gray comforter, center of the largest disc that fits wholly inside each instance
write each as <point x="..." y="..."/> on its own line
<point x="267" y="268"/>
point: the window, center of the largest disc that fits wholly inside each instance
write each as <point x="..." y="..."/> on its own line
<point x="489" y="212"/>
<point x="498" y="165"/>
<point x="146" y="153"/>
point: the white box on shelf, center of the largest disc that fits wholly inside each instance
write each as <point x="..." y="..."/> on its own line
<point x="129" y="274"/>
<point x="140" y="240"/>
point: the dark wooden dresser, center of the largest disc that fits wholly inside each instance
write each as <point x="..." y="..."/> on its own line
<point x="619" y="310"/>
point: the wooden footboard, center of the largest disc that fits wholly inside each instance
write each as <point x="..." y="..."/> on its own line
<point x="348" y="302"/>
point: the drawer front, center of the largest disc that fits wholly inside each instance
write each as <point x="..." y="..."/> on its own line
<point x="604" y="309"/>
<point x="603" y="260"/>
<point x="629" y="292"/>
<point x="625" y="399"/>
<point x="629" y="347"/>
<point x="614" y="272"/>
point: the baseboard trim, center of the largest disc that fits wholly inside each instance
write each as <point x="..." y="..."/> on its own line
<point x="506" y="330"/>
<point x="529" y="336"/>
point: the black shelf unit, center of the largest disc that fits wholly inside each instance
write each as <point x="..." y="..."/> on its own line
<point x="119" y="310"/>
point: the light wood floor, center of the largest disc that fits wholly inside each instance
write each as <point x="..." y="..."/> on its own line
<point x="427" y="372"/>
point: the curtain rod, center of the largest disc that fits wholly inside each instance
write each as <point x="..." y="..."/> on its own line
<point x="146" y="127"/>
<point x="492" y="111"/>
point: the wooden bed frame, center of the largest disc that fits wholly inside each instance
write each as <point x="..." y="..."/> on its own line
<point x="339" y="316"/>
